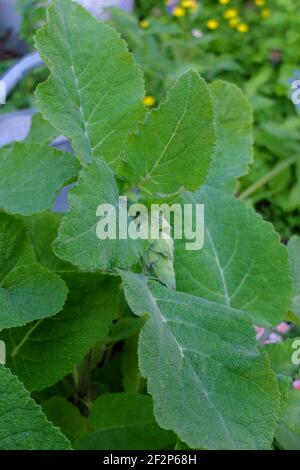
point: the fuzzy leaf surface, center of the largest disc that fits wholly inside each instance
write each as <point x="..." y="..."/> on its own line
<point x="242" y="264"/>
<point x="77" y="241"/>
<point x="174" y="147"/>
<point x="294" y="256"/>
<point x="223" y="393"/>
<point x="58" y="344"/>
<point x="23" y="426"/>
<point x="28" y="291"/>
<point x="94" y="93"/>
<point x="234" y="141"/>
<point x="30" y="176"/>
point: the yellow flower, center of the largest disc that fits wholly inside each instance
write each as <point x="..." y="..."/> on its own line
<point x="149" y="101"/>
<point x="144" y="24"/>
<point x="265" y="13"/>
<point x="189" y="4"/>
<point x="233" y="22"/>
<point x="230" y="13"/>
<point x="242" y="28"/>
<point x="213" y="24"/>
<point x="224" y="2"/>
<point x="178" y="12"/>
<point x="259" y="3"/>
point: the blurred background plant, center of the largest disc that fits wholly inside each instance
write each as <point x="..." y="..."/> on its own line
<point x="253" y="43"/>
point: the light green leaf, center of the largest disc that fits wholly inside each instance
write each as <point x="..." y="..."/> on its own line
<point x="22" y="423"/>
<point x="41" y="131"/>
<point x="15" y="248"/>
<point x="30" y="176"/>
<point x="43" y="230"/>
<point x="209" y="382"/>
<point x="234" y="146"/>
<point x="94" y="92"/>
<point x="124" y="422"/>
<point x="288" y="431"/>
<point x="174" y="147"/>
<point x="280" y="355"/>
<point x="54" y="346"/>
<point x="294" y="255"/>
<point x="132" y="380"/>
<point x="27" y="290"/>
<point x="242" y="264"/>
<point x="29" y="293"/>
<point x="77" y="241"/>
<point x="65" y="416"/>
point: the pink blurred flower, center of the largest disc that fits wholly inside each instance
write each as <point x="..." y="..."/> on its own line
<point x="297" y="385"/>
<point x="273" y="338"/>
<point x="260" y="331"/>
<point x="283" y="328"/>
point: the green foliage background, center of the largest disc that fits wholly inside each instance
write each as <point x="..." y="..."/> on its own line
<point x="117" y="344"/>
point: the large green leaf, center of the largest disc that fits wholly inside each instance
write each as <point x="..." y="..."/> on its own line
<point x="209" y="382"/>
<point x="28" y="291"/>
<point x="41" y="131"/>
<point x="294" y="255"/>
<point x="234" y="146"/>
<point x="30" y="176"/>
<point x="124" y="422"/>
<point x="66" y="416"/>
<point x="280" y="355"/>
<point x="174" y="147"/>
<point x="242" y="264"/>
<point x="22" y="423"/>
<point x="288" y="431"/>
<point x="42" y="231"/>
<point x="94" y="92"/>
<point x="77" y="241"/>
<point x="54" y="346"/>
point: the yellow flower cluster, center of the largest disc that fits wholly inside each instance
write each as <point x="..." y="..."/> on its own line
<point x="232" y="16"/>
<point x="183" y="7"/>
<point x="265" y="12"/>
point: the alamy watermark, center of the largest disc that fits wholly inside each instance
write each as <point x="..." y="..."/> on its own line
<point x="296" y="354"/>
<point x="2" y="92"/>
<point x="2" y="353"/>
<point x="137" y="221"/>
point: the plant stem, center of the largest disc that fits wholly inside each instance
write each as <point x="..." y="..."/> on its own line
<point x="84" y="375"/>
<point x="279" y="168"/>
